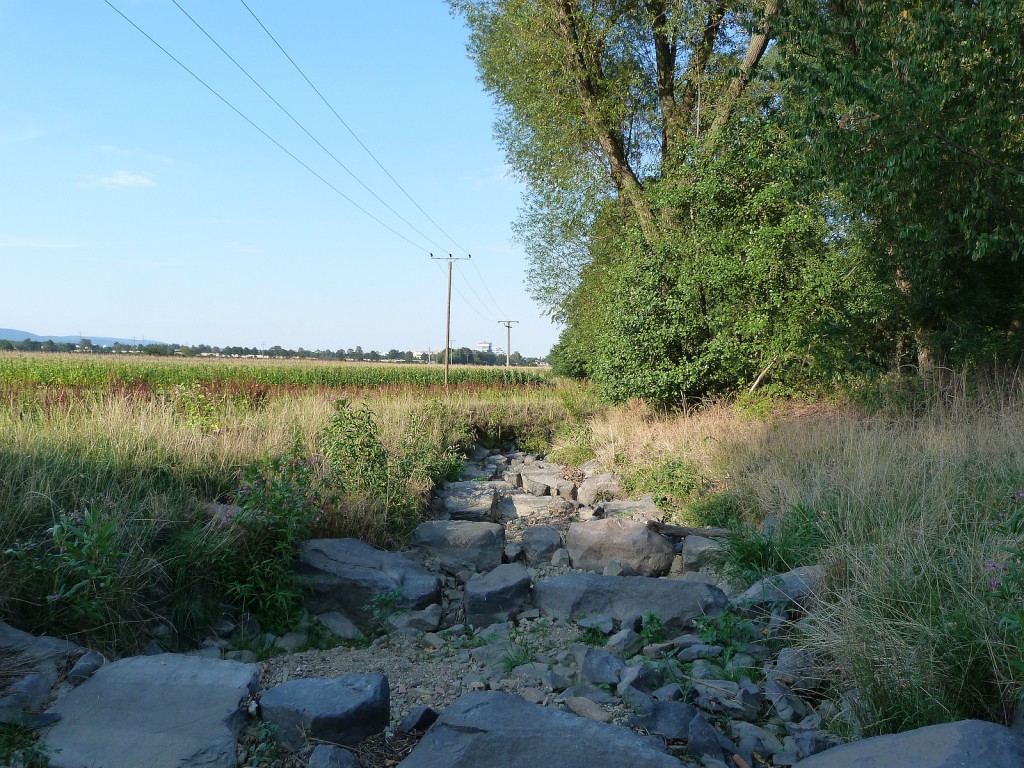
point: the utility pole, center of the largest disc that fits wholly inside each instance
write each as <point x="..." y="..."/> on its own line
<point x="448" y="315"/>
<point x="508" y="340"/>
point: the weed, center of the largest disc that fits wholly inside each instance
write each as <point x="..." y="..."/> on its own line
<point x="261" y="744"/>
<point x="672" y="482"/>
<point x="729" y="630"/>
<point x="748" y="555"/>
<point x="20" y="747"/>
<point x="196" y="409"/>
<point x="519" y="651"/>
<point x="592" y="636"/>
<point x="721" y="510"/>
<point x="653" y="630"/>
<point x="382" y="607"/>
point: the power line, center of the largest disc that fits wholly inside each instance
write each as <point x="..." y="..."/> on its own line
<point x="483" y="304"/>
<point x="276" y="143"/>
<point x="349" y="129"/>
<point x="302" y="127"/>
<point x="484" y="282"/>
<point x="470" y="304"/>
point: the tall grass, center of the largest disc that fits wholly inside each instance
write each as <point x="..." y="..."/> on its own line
<point x="136" y="470"/>
<point x="899" y="506"/>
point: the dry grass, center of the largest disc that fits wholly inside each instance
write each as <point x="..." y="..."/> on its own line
<point x="905" y="506"/>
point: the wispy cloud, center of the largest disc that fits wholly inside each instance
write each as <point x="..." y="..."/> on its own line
<point x="145" y="154"/>
<point x="494" y="176"/>
<point x="33" y="242"/>
<point x="119" y="179"/>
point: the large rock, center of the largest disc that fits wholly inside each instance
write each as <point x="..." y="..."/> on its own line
<point x="168" y="710"/>
<point x="595" y="544"/>
<point x="477" y="502"/>
<point x="342" y="710"/>
<point x="461" y="545"/>
<point x="345" y="575"/>
<point x="676" y="603"/>
<point x="791" y="587"/>
<point x="642" y="509"/>
<point x="539" y="543"/>
<point x="518" y="505"/>
<point x="490" y="728"/>
<point x="498" y="595"/>
<point x="964" y="744"/>
<point x="599" y="488"/>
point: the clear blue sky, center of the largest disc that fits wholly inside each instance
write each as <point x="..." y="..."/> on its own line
<point x="133" y="202"/>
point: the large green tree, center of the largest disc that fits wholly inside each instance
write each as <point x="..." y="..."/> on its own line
<point x="916" y="111"/>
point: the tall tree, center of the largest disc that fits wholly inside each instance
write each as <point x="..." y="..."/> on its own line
<point x="915" y="110"/>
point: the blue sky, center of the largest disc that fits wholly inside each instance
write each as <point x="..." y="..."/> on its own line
<point x="134" y="203"/>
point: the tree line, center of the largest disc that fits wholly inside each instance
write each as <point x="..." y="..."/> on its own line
<point x="724" y="193"/>
<point x="460" y="356"/>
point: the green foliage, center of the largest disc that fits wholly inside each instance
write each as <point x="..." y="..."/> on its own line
<point x="721" y="510"/>
<point x="672" y="482"/>
<point x="520" y="650"/>
<point x="572" y="445"/>
<point x="194" y="407"/>
<point x="914" y="112"/>
<point x="729" y="630"/>
<point x="20" y="747"/>
<point x="1007" y="579"/>
<point x="256" y="554"/>
<point x="86" y="567"/>
<point x="749" y="555"/>
<point x="381" y="608"/>
<point x="592" y="636"/>
<point x="653" y="630"/>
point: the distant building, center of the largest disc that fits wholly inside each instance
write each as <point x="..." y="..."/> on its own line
<point x="484" y="346"/>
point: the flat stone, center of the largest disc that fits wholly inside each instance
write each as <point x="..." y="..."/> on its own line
<point x="493" y="728"/>
<point x="699" y="551"/>
<point x="596" y="543"/>
<point x="340" y="626"/>
<point x="670" y="719"/>
<point x="85" y="667"/>
<point x="427" y="620"/>
<point x="168" y="710"/>
<point x="476" y="502"/>
<point x="346" y="575"/>
<point x="418" y="719"/>
<point x="460" y="545"/>
<point x="638" y="510"/>
<point x="966" y="743"/>
<point x="597" y="666"/>
<point x="574" y="596"/>
<point x="343" y="710"/>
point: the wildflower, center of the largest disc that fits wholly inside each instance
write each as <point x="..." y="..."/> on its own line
<point x="995" y="583"/>
<point x="991" y="565"/>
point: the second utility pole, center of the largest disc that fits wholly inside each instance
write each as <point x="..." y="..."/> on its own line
<point x="448" y="315"/>
<point x="508" y="340"/>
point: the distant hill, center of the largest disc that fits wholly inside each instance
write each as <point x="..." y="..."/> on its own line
<point x="12" y="334"/>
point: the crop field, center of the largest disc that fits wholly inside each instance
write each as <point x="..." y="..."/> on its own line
<point x="128" y="372"/>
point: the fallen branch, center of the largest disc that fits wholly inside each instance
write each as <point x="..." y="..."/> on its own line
<point x="686" y="530"/>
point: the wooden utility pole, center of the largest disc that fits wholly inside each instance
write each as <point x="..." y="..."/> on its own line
<point x="508" y="340"/>
<point x="448" y="315"/>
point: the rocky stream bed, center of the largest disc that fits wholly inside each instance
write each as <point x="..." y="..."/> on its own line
<point x="537" y="621"/>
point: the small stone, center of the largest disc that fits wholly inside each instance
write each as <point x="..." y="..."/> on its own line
<point x="418" y="719"/>
<point x="587" y="708"/>
<point x="561" y="558"/>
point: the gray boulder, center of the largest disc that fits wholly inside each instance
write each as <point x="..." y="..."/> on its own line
<point x="343" y="710"/>
<point x="599" y="487"/>
<point x="642" y="509"/>
<point x="330" y="756"/>
<point x="595" y="544"/>
<point x="597" y="666"/>
<point x="540" y="542"/>
<point x="476" y="502"/>
<point x="345" y="575"/>
<point x="461" y="545"/>
<point x="577" y="595"/>
<point x="963" y="744"/>
<point x="486" y="729"/>
<point x="792" y="587"/>
<point x="498" y="595"/>
<point x="340" y="626"/>
<point x="523" y="505"/>
<point x="670" y="719"/>
<point x="699" y="551"/>
<point x="159" y="711"/>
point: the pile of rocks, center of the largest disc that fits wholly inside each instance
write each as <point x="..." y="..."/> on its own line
<point x="484" y="655"/>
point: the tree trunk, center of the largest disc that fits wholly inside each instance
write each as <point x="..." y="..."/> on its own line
<point x="758" y="45"/>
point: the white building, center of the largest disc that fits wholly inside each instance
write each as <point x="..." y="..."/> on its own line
<point x="484" y="346"/>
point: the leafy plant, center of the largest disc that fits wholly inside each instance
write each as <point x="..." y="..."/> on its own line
<point x="653" y="630"/>
<point x="519" y="651"/>
<point x="278" y="503"/>
<point x="749" y="555"/>
<point x="1007" y="577"/>
<point x="592" y="636"/>
<point x="20" y="747"/>
<point x="381" y="608"/>
<point x="729" y="630"/>
<point x="672" y="482"/>
<point x="194" y="407"/>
